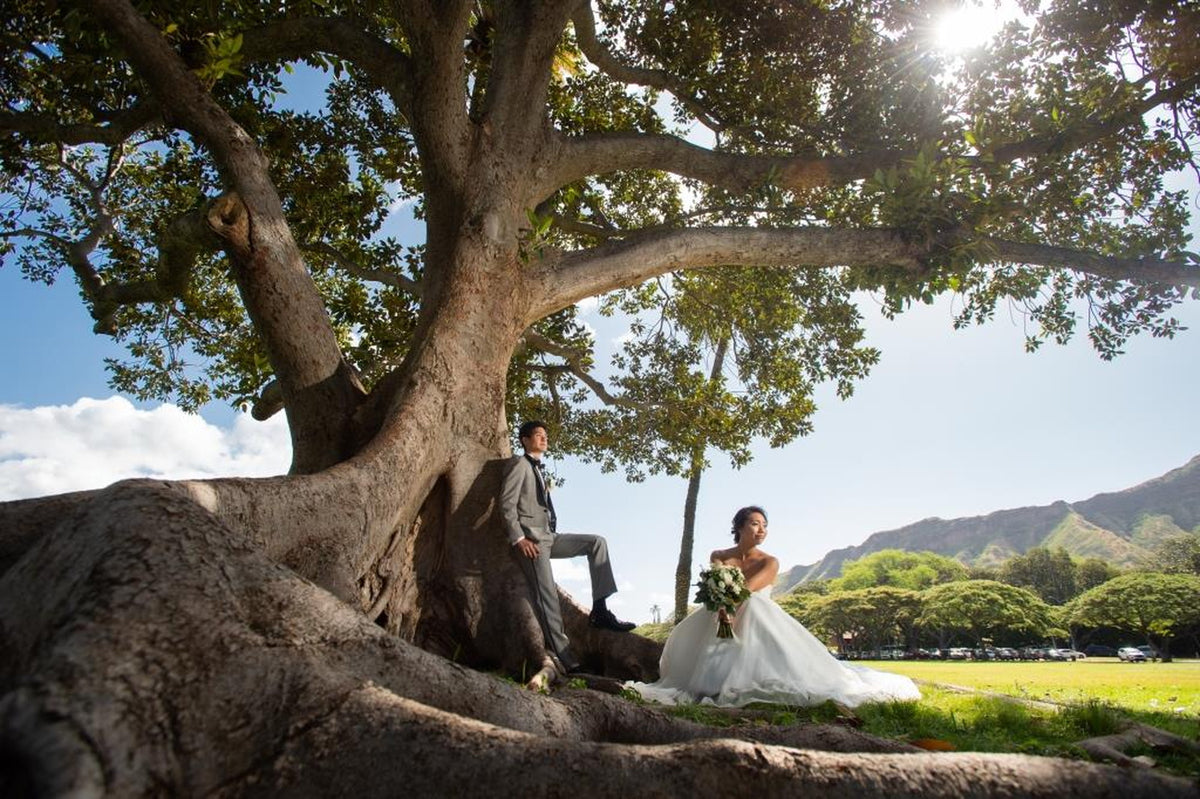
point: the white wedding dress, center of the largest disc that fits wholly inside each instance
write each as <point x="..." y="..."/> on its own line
<point x="771" y="658"/>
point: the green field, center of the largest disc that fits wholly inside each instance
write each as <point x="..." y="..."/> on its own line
<point x="1064" y="703"/>
<point x="1159" y="688"/>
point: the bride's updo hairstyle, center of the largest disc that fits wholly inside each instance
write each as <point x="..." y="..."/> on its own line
<point x="742" y="516"/>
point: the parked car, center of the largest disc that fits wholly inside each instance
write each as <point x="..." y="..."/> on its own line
<point x="1131" y="654"/>
<point x="1059" y="654"/>
<point x="1073" y="654"/>
<point x="1099" y="651"/>
<point x="1149" y="652"/>
<point x="1007" y="653"/>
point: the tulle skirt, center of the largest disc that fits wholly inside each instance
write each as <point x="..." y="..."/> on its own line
<point x="771" y="658"/>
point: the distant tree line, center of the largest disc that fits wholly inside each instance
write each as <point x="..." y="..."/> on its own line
<point x="918" y="599"/>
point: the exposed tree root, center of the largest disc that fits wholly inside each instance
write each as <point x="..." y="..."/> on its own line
<point x="1114" y="748"/>
<point x="433" y="753"/>
<point x="151" y="649"/>
<point x="24" y="521"/>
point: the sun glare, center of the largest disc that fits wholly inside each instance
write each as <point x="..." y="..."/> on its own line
<point x="968" y="27"/>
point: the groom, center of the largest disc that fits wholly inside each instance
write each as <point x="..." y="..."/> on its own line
<point x="530" y="524"/>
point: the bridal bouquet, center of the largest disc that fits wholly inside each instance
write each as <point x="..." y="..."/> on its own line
<point x="722" y="587"/>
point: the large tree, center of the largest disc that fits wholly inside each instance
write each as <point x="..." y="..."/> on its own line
<point x="1049" y="573"/>
<point x="1177" y="555"/>
<point x="1159" y="607"/>
<point x="714" y="359"/>
<point x="310" y="631"/>
<point x="873" y="617"/>
<point x="984" y="609"/>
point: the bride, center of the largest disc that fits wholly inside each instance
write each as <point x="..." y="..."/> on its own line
<point x="771" y="658"/>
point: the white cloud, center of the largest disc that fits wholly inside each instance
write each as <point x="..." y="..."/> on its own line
<point x="401" y="202"/>
<point x="571" y="570"/>
<point x="588" y="305"/>
<point x="92" y="443"/>
<point x="625" y="337"/>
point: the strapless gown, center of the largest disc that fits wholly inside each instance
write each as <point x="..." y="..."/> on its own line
<point x="771" y="658"/>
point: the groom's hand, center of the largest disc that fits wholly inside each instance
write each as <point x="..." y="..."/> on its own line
<point x="527" y="548"/>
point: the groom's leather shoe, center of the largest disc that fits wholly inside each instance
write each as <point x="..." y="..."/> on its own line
<point x="605" y="620"/>
<point x="566" y="663"/>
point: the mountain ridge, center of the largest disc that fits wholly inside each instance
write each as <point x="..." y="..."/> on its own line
<point x="1118" y="526"/>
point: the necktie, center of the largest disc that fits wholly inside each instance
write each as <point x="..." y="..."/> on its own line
<point x="544" y="490"/>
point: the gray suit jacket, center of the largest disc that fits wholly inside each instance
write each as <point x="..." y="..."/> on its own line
<point x="524" y="516"/>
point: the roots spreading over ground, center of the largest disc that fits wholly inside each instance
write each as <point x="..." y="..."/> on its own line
<point x="150" y="649"/>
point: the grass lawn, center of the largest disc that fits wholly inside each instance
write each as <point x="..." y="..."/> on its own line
<point x="1171" y="689"/>
<point x="1098" y="696"/>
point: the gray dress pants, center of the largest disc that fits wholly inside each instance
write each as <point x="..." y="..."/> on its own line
<point x="544" y="593"/>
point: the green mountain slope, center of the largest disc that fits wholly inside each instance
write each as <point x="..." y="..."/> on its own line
<point x="1120" y="527"/>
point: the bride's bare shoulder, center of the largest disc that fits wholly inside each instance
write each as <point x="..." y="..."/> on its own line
<point x="718" y="556"/>
<point x="768" y="561"/>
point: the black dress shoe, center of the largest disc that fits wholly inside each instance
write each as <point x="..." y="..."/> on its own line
<point x="566" y="663"/>
<point x="605" y="620"/>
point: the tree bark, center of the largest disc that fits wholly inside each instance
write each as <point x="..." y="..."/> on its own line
<point x="320" y="391"/>
<point x="683" y="569"/>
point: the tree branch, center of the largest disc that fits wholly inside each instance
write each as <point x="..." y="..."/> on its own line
<point x="119" y="126"/>
<point x="389" y="68"/>
<point x="573" y="364"/>
<point x="435" y="33"/>
<point x="602" y="153"/>
<point x="1136" y="270"/>
<point x="524" y="43"/>
<point x="1092" y="128"/>
<point x="606" y="62"/>
<point x="581" y="228"/>
<point x="276" y="288"/>
<point x="346" y="263"/>
<point x="575" y="276"/>
<point x="184" y="240"/>
<point x="639" y="257"/>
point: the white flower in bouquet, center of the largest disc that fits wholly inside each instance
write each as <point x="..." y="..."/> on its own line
<point x="722" y="588"/>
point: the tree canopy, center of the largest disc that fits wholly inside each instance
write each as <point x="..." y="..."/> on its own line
<point x="989" y="172"/>
<point x="982" y="608"/>
<point x="1156" y="606"/>
<point x="1177" y="555"/>
<point x="1049" y="573"/>
<point x="914" y="571"/>
<point x="877" y="615"/>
